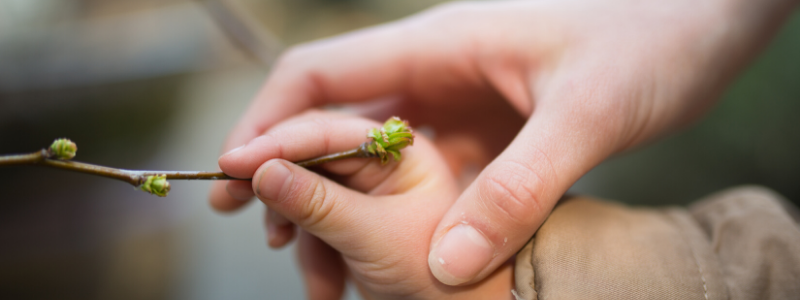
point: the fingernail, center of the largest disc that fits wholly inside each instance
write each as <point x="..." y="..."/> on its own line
<point x="234" y="150"/>
<point x="460" y="255"/>
<point x="272" y="180"/>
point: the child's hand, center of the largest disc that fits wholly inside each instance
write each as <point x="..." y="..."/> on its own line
<point x="381" y="223"/>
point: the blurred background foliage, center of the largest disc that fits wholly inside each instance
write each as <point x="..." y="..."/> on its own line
<point x="157" y="84"/>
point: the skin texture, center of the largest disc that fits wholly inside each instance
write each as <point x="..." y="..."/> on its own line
<point x="370" y="230"/>
<point x="533" y="93"/>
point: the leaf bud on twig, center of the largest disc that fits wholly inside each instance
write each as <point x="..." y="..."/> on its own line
<point x="156" y="185"/>
<point x="389" y="139"/>
<point x="63" y="149"/>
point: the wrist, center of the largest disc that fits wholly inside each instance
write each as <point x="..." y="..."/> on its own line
<point x="762" y="15"/>
<point x="731" y="33"/>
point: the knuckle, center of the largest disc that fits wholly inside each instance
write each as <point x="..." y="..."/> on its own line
<point x="318" y="205"/>
<point x="324" y="121"/>
<point x="515" y="193"/>
<point x="448" y="13"/>
<point x="452" y="10"/>
<point x="275" y="138"/>
<point x="293" y="56"/>
<point x="460" y="20"/>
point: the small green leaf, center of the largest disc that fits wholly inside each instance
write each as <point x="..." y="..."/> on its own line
<point x="395" y="154"/>
<point x="384" y="136"/>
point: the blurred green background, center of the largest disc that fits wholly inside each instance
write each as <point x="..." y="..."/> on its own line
<point x="751" y="137"/>
<point x="157" y="84"/>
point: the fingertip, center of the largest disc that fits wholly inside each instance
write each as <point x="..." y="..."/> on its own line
<point x="233" y="150"/>
<point x="241" y="190"/>
<point x="460" y="255"/>
<point x="221" y="201"/>
<point x="280" y="231"/>
<point x="242" y="162"/>
<point x="276" y="218"/>
<point x="225" y="158"/>
<point x="494" y="216"/>
<point x="279" y="236"/>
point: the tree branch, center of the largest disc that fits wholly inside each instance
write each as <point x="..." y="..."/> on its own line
<point x="384" y="142"/>
<point x="137" y="177"/>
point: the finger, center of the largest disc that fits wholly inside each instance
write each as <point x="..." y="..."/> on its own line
<point x="381" y="61"/>
<point x="309" y="139"/>
<point x="510" y="199"/>
<point x="221" y="200"/>
<point x="341" y="69"/>
<point x="241" y="190"/>
<point x="311" y="135"/>
<point x="295" y="143"/>
<point x="398" y="58"/>
<point x="316" y="204"/>
<point x="231" y="195"/>
<point x="280" y="231"/>
<point x="322" y="268"/>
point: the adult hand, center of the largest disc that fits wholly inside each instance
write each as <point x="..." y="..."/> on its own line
<point x="592" y="78"/>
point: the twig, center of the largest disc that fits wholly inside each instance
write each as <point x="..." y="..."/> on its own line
<point x="137" y="177"/>
<point x="360" y="152"/>
<point x="384" y="142"/>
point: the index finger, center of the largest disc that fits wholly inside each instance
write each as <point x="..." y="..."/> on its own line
<point x="350" y="68"/>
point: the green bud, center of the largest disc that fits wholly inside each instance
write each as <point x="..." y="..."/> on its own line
<point x="390" y="139"/>
<point x="63" y="149"/>
<point x="156" y="185"/>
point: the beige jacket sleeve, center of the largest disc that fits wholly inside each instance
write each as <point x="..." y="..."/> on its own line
<point x="742" y="243"/>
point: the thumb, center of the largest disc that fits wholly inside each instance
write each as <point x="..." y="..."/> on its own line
<point x="499" y="212"/>
<point x="320" y="206"/>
